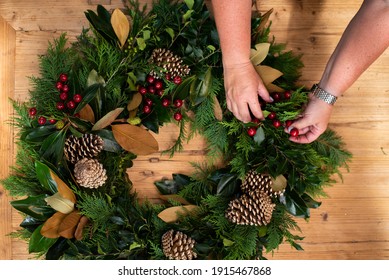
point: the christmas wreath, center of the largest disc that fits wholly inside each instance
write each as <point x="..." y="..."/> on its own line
<point x="90" y="114"/>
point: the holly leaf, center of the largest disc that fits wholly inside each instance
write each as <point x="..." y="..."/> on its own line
<point x="135" y="139"/>
<point x="121" y="26"/>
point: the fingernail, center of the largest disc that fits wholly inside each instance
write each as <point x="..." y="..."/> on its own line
<point x="271" y="99"/>
<point x="290" y="128"/>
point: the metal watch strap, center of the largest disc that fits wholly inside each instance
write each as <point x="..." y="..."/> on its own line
<point x="323" y="95"/>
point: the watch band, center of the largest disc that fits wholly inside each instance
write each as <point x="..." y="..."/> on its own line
<point x="323" y="95"/>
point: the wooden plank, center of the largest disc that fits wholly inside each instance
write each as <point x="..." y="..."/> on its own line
<point x="7" y="78"/>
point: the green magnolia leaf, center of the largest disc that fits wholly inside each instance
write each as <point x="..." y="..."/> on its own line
<point x="296" y="205"/>
<point x="39" y="243"/>
<point x="167" y="187"/>
<point x="259" y="136"/>
<point x="57" y="249"/>
<point x="181" y="179"/>
<point x="310" y="202"/>
<point x="200" y="87"/>
<point x="43" y="174"/>
<point x="30" y="223"/>
<point x="52" y="147"/>
<point x="34" y="206"/>
<point x="110" y="144"/>
<point x="38" y="134"/>
<point x="117" y="220"/>
<point x="102" y="23"/>
<point x="227" y="186"/>
<point x="89" y="94"/>
<point x="182" y="90"/>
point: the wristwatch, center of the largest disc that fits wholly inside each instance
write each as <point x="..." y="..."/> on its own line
<point x="323" y="95"/>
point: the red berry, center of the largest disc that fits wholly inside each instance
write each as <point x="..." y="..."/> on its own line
<point x="52" y="121"/>
<point x="287" y="94"/>
<point x="165" y="102"/>
<point x="272" y="116"/>
<point x="255" y="120"/>
<point x="177" y="80"/>
<point x="159" y="92"/>
<point x="150" y="79"/>
<point x="42" y="120"/>
<point x="65" y="88"/>
<point x="32" y="111"/>
<point x="71" y="104"/>
<point x="151" y="89"/>
<point x="148" y="102"/>
<point x="276" y="123"/>
<point x="158" y="84"/>
<point x="294" y="132"/>
<point x="77" y="98"/>
<point x="251" y="131"/>
<point x="288" y="123"/>
<point x="142" y="90"/>
<point x="146" y="109"/>
<point x="58" y="85"/>
<point x="168" y="76"/>
<point x="60" y="106"/>
<point x="276" y="96"/>
<point x="63" y="96"/>
<point x="77" y="115"/>
<point x="178" y="103"/>
<point x="177" y="116"/>
<point x="63" y="77"/>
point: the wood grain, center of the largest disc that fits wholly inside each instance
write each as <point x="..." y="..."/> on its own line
<point x="352" y="222"/>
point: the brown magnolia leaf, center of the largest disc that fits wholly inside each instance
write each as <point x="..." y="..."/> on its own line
<point x="135" y="139"/>
<point x="267" y="73"/>
<point x="260" y="52"/>
<point x="78" y="234"/>
<point x="60" y="204"/>
<point x="63" y="189"/>
<point x="172" y="214"/>
<point x="135" y="102"/>
<point x="120" y="25"/>
<point x="279" y="183"/>
<point x="69" y="224"/>
<point x="217" y="109"/>
<point x="175" y="197"/>
<point x="107" y="119"/>
<point x="50" y="227"/>
<point x="86" y="113"/>
<point x="132" y="114"/>
<point x="264" y="18"/>
<point x="274" y="88"/>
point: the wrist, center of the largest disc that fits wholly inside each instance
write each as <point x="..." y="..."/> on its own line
<point x="321" y="94"/>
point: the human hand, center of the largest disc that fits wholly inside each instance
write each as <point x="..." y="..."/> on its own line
<point x="243" y="86"/>
<point x="313" y="122"/>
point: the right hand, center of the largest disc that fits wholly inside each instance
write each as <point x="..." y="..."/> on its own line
<point x="243" y="86"/>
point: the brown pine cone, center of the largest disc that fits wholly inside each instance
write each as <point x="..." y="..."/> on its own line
<point x="87" y="146"/>
<point x="178" y="246"/>
<point x="89" y="173"/>
<point x="262" y="182"/>
<point x="169" y="63"/>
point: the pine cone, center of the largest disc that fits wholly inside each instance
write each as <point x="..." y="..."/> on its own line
<point x="262" y="182"/>
<point x="87" y="146"/>
<point x="171" y="64"/>
<point x="178" y="246"/>
<point x="252" y="208"/>
<point x="89" y="173"/>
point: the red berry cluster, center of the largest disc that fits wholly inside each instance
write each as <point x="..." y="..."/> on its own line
<point x="32" y="112"/>
<point x="277" y="97"/>
<point x="154" y="86"/>
<point x="63" y="88"/>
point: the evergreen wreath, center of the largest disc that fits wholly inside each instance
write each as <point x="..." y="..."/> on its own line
<point x="89" y="115"/>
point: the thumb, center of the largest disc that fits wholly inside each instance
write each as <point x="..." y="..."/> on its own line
<point x="301" y="124"/>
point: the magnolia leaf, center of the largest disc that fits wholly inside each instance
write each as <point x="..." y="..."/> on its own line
<point x="135" y="139"/>
<point x="39" y="243"/>
<point x="175" y="197"/>
<point x="62" y="188"/>
<point x="259" y="136"/>
<point x="135" y="102"/>
<point x="172" y="214"/>
<point x="217" y="109"/>
<point x="69" y="224"/>
<point x="107" y="119"/>
<point x="264" y="19"/>
<point x="94" y="78"/>
<point x="267" y="73"/>
<point x="120" y="25"/>
<point x="274" y="88"/>
<point x="60" y="204"/>
<point x="78" y="234"/>
<point x="50" y="227"/>
<point x="259" y="54"/>
<point x="86" y="113"/>
<point x="279" y="183"/>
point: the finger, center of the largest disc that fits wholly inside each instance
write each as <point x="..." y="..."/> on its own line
<point x="264" y="94"/>
<point x="305" y="138"/>
<point x="243" y="112"/>
<point x="255" y="109"/>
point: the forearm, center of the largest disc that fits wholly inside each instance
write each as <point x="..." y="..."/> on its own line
<point x="363" y="41"/>
<point x="233" y="21"/>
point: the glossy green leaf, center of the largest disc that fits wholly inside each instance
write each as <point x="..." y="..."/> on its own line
<point x="52" y="148"/>
<point x="189" y="3"/>
<point x="89" y="94"/>
<point x="34" y="206"/>
<point x="110" y="144"/>
<point x="200" y="87"/>
<point x="181" y="179"/>
<point x="39" y="243"/>
<point x="296" y="205"/>
<point x="259" y="137"/>
<point x="227" y="185"/>
<point x="182" y="90"/>
<point x="102" y="23"/>
<point x="57" y="249"/>
<point x="30" y="223"/>
<point x="170" y="31"/>
<point x="310" y="202"/>
<point x="167" y="187"/>
<point x="38" y="134"/>
<point x="44" y="177"/>
<point x="118" y="220"/>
